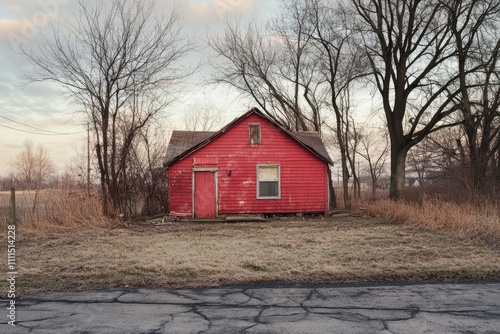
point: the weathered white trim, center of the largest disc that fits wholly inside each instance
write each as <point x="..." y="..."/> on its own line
<point x="258" y="182"/>
<point x="205" y="169"/>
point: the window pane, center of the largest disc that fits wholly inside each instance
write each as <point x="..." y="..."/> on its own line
<point x="268" y="189"/>
<point x="268" y="173"/>
<point x="254" y="133"/>
<point x="268" y="177"/>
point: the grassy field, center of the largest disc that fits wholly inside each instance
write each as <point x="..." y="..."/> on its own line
<point x="347" y="249"/>
<point x="480" y="222"/>
<point x="55" y="210"/>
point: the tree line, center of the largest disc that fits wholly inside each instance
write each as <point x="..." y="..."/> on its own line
<point x="430" y="67"/>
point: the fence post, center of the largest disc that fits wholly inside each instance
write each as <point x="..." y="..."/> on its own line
<point x="13" y="205"/>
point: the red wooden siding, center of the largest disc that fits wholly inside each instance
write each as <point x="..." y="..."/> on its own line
<point x="303" y="178"/>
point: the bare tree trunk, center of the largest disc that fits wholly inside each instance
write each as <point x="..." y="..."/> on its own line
<point x="333" y="197"/>
<point x="35" y="200"/>
<point x="398" y="165"/>
<point x="345" y="178"/>
<point x="374" y="187"/>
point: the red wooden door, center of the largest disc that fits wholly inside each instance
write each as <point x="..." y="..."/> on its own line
<point x="204" y="195"/>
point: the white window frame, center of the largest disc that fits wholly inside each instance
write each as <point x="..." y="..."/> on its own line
<point x="258" y="181"/>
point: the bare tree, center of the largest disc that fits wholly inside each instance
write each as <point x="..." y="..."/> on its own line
<point x="353" y="141"/>
<point x="204" y="116"/>
<point x="80" y="169"/>
<point x="374" y="146"/>
<point x="341" y="63"/>
<point x="476" y="30"/>
<point x="468" y="153"/>
<point x="120" y="61"/>
<point x="32" y="167"/>
<point x="273" y="64"/>
<point x="441" y="158"/>
<point x="145" y="191"/>
<point x="421" y="161"/>
<point x="410" y="47"/>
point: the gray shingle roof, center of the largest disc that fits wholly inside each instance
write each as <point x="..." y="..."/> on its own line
<point x="183" y="141"/>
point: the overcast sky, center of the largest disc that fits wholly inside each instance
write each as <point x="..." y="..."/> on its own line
<point x="39" y="107"/>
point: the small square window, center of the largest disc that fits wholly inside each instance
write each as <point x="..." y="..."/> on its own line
<point x="254" y="134"/>
<point x="268" y="181"/>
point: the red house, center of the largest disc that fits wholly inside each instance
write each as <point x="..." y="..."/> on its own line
<point x="252" y="165"/>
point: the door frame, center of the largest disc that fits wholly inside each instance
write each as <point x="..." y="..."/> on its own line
<point x="214" y="170"/>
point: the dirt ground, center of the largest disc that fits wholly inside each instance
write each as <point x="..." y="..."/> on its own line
<point x="343" y="249"/>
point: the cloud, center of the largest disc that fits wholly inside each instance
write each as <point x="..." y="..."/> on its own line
<point x="229" y="7"/>
<point x="212" y="10"/>
<point x="30" y="7"/>
<point x="15" y="8"/>
<point x="24" y="20"/>
<point x="10" y="26"/>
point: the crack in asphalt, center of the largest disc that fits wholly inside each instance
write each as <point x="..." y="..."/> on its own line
<point x="197" y="311"/>
<point x="162" y="326"/>
<point x="247" y="309"/>
<point x="252" y="296"/>
<point x="257" y="319"/>
<point x="479" y="314"/>
<point x="244" y="330"/>
<point x="243" y="305"/>
<point x="339" y="313"/>
<point x="30" y="329"/>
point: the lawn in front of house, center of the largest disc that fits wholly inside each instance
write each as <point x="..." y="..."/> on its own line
<point x="346" y="249"/>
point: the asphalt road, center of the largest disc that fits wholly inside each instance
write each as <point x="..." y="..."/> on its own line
<point x="393" y="308"/>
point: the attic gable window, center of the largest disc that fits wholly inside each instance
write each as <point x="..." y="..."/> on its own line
<point x="254" y="134"/>
<point x="268" y="182"/>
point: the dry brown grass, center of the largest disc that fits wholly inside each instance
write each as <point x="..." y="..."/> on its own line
<point x="198" y="255"/>
<point x="57" y="210"/>
<point x="467" y="221"/>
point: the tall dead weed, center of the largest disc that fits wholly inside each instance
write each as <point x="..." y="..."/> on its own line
<point x="478" y="222"/>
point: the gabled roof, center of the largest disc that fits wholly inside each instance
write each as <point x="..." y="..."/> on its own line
<point x="312" y="140"/>
<point x="183" y="143"/>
